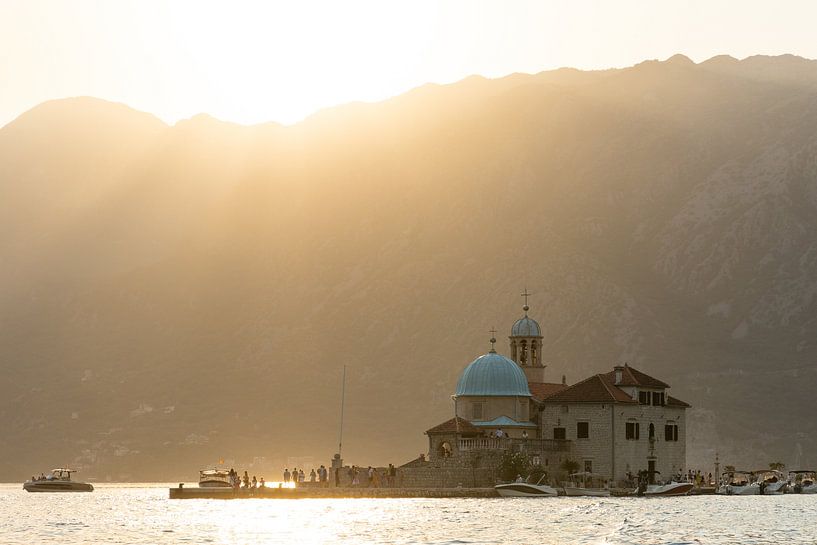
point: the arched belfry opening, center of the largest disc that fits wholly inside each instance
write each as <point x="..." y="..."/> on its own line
<point x="526" y="345"/>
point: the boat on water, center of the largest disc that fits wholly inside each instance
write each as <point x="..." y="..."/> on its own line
<point x="579" y="485"/>
<point x="802" y="481"/>
<point x="215" y="478"/>
<point x="58" y="481"/>
<point x="737" y="483"/>
<point x="522" y="489"/>
<point x="648" y="487"/>
<point x="671" y="488"/>
<point x="770" y="482"/>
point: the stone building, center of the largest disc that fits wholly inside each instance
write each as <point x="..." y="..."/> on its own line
<point x="613" y="424"/>
<point x="619" y="423"/>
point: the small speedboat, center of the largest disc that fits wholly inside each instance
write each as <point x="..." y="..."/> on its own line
<point x="770" y="482"/>
<point x="521" y="489"/>
<point x="737" y="483"/>
<point x="669" y="489"/>
<point x="58" y="481"/>
<point x="215" y="478"/>
<point x="574" y="488"/>
<point x="802" y="481"/>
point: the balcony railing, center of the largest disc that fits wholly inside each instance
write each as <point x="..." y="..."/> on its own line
<point x="531" y="445"/>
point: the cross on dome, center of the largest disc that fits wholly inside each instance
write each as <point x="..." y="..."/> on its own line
<point x="525" y="294"/>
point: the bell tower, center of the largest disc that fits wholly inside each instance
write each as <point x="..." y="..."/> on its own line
<point x="526" y="345"/>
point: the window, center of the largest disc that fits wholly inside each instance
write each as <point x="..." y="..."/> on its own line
<point x="652" y="432"/>
<point x="476" y="411"/>
<point x="644" y="398"/>
<point x="631" y="430"/>
<point x="656" y="398"/>
<point x="565" y="409"/>
<point x="671" y="432"/>
<point x="588" y="466"/>
<point x="559" y="433"/>
<point x="582" y="430"/>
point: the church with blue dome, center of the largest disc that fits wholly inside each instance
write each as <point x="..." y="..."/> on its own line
<point x="612" y="424"/>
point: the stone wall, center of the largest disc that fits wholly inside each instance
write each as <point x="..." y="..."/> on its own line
<point x="597" y="449"/>
<point x="465" y="472"/>
<point x="633" y="455"/>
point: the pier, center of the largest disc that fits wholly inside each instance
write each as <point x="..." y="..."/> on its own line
<point x="184" y="493"/>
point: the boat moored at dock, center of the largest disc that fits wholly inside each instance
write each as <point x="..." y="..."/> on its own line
<point x="524" y="489"/>
<point x="770" y="482"/>
<point x="215" y="478"/>
<point x="579" y="485"/>
<point x="802" y="481"/>
<point x="737" y="483"/>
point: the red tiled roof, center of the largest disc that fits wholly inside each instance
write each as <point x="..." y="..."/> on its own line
<point x="634" y="377"/>
<point x="596" y="389"/>
<point x="543" y="390"/>
<point x="675" y="402"/>
<point x="453" y="425"/>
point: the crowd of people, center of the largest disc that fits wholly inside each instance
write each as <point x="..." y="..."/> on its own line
<point x="371" y="477"/>
<point x="697" y="477"/>
<point x="243" y="481"/>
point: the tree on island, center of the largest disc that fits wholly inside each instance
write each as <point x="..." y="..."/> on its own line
<point x="728" y="469"/>
<point x="570" y="466"/>
<point x="512" y="465"/>
<point x="777" y="466"/>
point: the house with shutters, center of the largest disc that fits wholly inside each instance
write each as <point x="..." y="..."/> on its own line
<point x="619" y="423"/>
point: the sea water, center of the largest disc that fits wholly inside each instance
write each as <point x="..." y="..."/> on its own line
<point x="144" y="514"/>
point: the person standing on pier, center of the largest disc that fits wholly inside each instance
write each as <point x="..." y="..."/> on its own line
<point x="392" y="475"/>
<point x="286" y="475"/>
<point x="301" y="475"/>
<point x="254" y="482"/>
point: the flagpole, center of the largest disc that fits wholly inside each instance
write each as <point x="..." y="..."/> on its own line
<point x="342" y="403"/>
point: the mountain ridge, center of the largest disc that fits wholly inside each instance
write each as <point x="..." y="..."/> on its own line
<point x="198" y="298"/>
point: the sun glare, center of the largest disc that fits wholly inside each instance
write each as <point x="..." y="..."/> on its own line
<point x="270" y="61"/>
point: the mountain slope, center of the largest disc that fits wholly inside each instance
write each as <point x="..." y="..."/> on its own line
<point x="175" y="295"/>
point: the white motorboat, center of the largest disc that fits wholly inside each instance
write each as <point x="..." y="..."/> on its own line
<point x="576" y="488"/>
<point x="737" y="483"/>
<point x="803" y="481"/>
<point x="669" y="489"/>
<point x="58" y="481"/>
<point x="770" y="482"/>
<point x="521" y="489"/>
<point x="215" y="478"/>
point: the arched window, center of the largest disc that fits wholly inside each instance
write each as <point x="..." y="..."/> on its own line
<point x="444" y="450"/>
<point x="534" y="353"/>
<point x="523" y="352"/>
<point x="652" y="432"/>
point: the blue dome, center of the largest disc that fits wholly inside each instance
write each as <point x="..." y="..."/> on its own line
<point x="493" y="375"/>
<point x="526" y="327"/>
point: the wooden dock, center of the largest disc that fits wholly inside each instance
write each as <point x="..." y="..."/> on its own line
<point x="185" y="493"/>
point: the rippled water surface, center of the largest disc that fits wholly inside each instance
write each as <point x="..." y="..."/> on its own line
<point x="144" y="514"/>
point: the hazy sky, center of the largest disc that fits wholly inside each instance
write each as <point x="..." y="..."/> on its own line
<point x="279" y="61"/>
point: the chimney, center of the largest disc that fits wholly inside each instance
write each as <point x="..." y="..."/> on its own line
<point x="564" y="380"/>
<point x="619" y="374"/>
